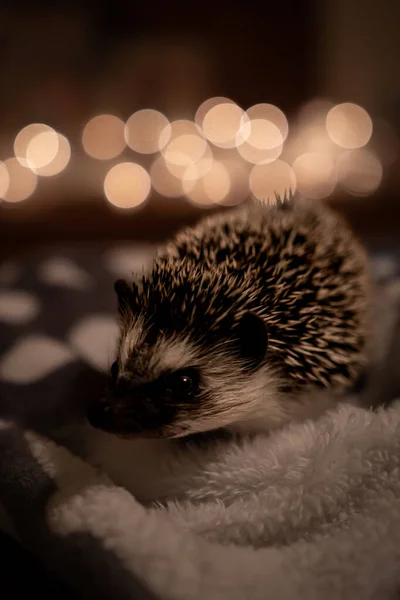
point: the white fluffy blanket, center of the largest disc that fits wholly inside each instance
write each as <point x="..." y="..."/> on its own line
<point x="310" y="512"/>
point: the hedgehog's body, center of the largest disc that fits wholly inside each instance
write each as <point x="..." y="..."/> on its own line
<point x="240" y="319"/>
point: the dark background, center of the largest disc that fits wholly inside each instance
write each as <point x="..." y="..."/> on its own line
<point x="63" y="62"/>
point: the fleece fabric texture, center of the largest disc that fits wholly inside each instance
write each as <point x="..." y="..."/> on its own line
<point x="311" y="511"/>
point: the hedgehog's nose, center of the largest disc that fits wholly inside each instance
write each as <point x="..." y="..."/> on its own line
<point x="100" y="415"/>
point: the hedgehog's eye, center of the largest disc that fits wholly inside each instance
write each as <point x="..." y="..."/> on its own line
<point x="114" y="370"/>
<point x="183" y="383"/>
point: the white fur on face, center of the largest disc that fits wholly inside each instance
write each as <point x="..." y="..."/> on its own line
<point x="241" y="401"/>
<point x="246" y="402"/>
<point x="238" y="400"/>
<point x="172" y="355"/>
<point x="166" y="355"/>
<point x="232" y="397"/>
<point x="132" y="336"/>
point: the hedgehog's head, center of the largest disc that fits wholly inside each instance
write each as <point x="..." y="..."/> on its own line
<point x="174" y="377"/>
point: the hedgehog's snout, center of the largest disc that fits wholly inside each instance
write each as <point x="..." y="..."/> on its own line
<point x="105" y="416"/>
<point x="100" y="415"/>
<point x="131" y="414"/>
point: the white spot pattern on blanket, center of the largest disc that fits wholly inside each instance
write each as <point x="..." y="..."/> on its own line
<point x="18" y="307"/>
<point x="32" y="358"/>
<point x="64" y="272"/>
<point x="320" y="502"/>
<point x="9" y="273"/>
<point x="94" y="338"/>
<point x="124" y="261"/>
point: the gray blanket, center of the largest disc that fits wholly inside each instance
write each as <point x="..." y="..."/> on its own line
<point x="312" y="511"/>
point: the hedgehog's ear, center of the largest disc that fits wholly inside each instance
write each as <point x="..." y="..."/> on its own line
<point x="124" y="294"/>
<point x="251" y="335"/>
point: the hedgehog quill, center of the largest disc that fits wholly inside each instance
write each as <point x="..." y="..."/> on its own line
<point x="242" y="323"/>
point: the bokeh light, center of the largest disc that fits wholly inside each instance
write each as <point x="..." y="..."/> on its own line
<point x="177" y="129"/>
<point x="208" y="105"/>
<point x="222" y="124"/>
<point x="266" y="180"/>
<point x="314" y="112"/>
<point x="22" y="182"/>
<point x="198" y="169"/>
<point x="163" y="181"/>
<point x="311" y="137"/>
<point x="261" y="134"/>
<point x="127" y="185"/>
<point x="143" y="130"/>
<point x="309" y="133"/>
<point x="271" y="113"/>
<point x="349" y="125"/>
<point x="315" y="175"/>
<point x="210" y="189"/>
<point x="60" y="160"/>
<point x="187" y="153"/>
<point x="42" y="149"/>
<point x="221" y="156"/>
<point x="24" y="139"/>
<point x="4" y="180"/>
<point x="103" y="137"/>
<point x="239" y="181"/>
<point x="359" y="172"/>
<point x="261" y="141"/>
<point x="183" y="151"/>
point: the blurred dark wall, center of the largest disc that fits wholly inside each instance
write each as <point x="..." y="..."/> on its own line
<point x="64" y="61"/>
<point x="358" y="61"/>
<point x="360" y="54"/>
<point x="122" y="55"/>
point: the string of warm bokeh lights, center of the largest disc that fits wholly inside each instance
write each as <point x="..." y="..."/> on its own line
<point x="222" y="156"/>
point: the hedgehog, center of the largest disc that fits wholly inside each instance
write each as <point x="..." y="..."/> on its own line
<point x="254" y="317"/>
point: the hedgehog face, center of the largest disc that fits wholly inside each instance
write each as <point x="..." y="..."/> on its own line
<point x="172" y="385"/>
